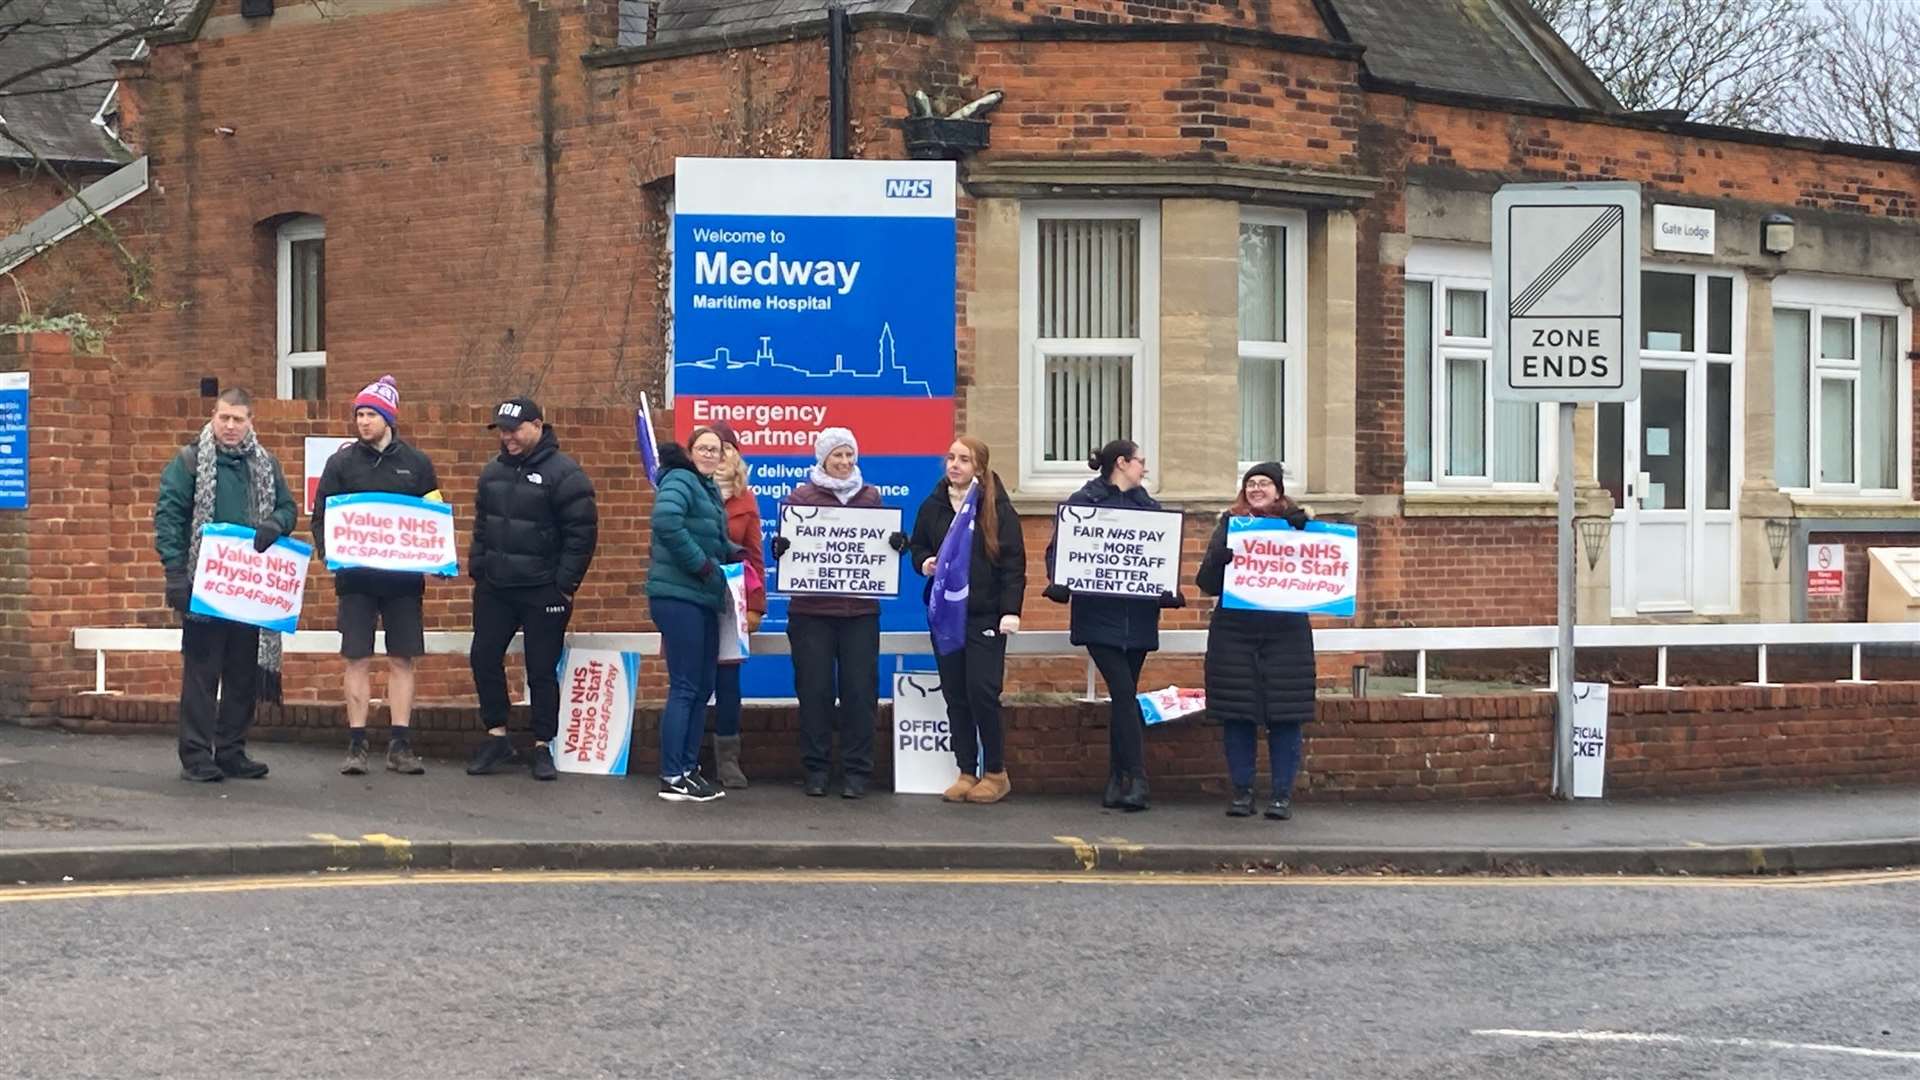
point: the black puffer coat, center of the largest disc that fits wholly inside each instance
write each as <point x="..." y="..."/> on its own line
<point x="994" y="587"/>
<point x="360" y="467"/>
<point x="1260" y="667"/>
<point x="1116" y="621"/>
<point x="534" y="520"/>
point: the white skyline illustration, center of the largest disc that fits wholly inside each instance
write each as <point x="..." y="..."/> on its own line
<point x="886" y="359"/>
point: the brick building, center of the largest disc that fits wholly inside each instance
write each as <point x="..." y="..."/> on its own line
<point x="1286" y="202"/>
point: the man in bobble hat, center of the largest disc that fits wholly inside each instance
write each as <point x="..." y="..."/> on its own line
<point x="378" y="461"/>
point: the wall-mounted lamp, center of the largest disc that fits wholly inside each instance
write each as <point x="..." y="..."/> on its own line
<point x="1777" y="533"/>
<point x="209" y="386"/>
<point x="1593" y="535"/>
<point x="256" y="9"/>
<point x="1776" y="234"/>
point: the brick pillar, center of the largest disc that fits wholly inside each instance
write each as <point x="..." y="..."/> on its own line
<point x="54" y="555"/>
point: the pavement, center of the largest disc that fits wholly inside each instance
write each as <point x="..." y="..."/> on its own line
<point x="806" y="974"/>
<point x="96" y="807"/>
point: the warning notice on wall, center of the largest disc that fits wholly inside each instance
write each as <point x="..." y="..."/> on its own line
<point x="1826" y="570"/>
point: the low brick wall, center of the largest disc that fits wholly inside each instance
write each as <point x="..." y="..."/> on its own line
<point x="1660" y="742"/>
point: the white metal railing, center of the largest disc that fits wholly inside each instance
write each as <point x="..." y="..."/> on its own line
<point x="1417" y="640"/>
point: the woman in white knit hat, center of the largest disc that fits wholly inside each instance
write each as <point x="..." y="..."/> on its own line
<point x="835" y="640"/>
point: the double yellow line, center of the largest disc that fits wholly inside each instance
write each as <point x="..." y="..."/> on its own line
<point x="208" y="886"/>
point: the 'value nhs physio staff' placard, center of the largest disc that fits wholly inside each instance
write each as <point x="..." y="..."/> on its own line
<point x="375" y="530"/>
<point x="259" y="588"/>
<point x="810" y="294"/>
<point x="1279" y="568"/>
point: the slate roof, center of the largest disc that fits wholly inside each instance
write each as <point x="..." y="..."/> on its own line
<point x="55" y="121"/>
<point x="690" y="20"/>
<point x="1475" y="47"/>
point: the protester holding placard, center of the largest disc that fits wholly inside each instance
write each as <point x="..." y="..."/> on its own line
<point x="743" y="528"/>
<point x="967" y="543"/>
<point x="1117" y="631"/>
<point x="223" y="476"/>
<point x="1259" y="668"/>
<point x="535" y="527"/>
<point x="687" y="595"/>
<point x="378" y="461"/>
<point x="835" y="640"/>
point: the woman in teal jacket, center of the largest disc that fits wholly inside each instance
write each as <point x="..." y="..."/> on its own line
<point x="686" y="595"/>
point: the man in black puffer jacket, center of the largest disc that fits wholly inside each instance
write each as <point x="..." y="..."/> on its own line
<point x="534" y="530"/>
<point x="377" y="461"/>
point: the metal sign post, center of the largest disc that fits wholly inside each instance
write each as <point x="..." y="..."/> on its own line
<point x="1566" y="329"/>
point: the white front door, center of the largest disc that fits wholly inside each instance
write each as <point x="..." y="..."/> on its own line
<point x="1654" y="518"/>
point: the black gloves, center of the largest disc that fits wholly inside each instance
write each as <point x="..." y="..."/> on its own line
<point x="1298" y="518"/>
<point x="179" y="590"/>
<point x="707" y="570"/>
<point x="1059" y="594"/>
<point x="1172" y="600"/>
<point x="265" y="535"/>
<point x="734" y="555"/>
<point x="780" y="546"/>
<point x="898" y="541"/>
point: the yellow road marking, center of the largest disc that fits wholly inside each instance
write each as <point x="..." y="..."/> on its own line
<point x="1088" y="855"/>
<point x="208" y="886"/>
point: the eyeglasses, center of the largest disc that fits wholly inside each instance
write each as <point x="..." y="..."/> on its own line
<point x="708" y="451"/>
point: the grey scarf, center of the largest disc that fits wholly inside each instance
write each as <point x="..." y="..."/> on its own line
<point x="261" y="468"/>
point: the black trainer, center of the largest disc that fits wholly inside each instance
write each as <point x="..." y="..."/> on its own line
<point x="1242" y="804"/>
<point x="1280" y="809"/>
<point x="854" y="788"/>
<point x="681" y="789"/>
<point x="202" y="772"/>
<point x="816" y="785"/>
<point x="701" y="783"/>
<point x="239" y="765"/>
<point x="495" y="752"/>
<point x="540" y="761"/>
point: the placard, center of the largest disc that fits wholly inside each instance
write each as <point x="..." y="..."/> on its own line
<point x="1276" y="567"/>
<point x="1171" y="703"/>
<point x="375" y="530"/>
<point x="596" y="711"/>
<point x="1110" y="551"/>
<point x="1589" y="739"/>
<point x="733" y="621"/>
<point x="839" y="550"/>
<point x="14" y="406"/>
<point x="319" y="450"/>
<point x="922" y="743"/>
<point x="258" y="588"/>
<point x="1826" y="570"/>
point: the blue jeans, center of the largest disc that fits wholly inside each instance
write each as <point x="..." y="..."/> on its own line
<point x="1283" y="751"/>
<point x="690" y="636"/>
<point x="726" y="701"/>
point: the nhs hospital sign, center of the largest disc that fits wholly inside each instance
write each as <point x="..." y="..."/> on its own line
<point x="811" y="294"/>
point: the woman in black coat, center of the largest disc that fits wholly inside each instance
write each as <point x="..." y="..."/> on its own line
<point x="971" y="678"/>
<point x="1260" y="667"/>
<point x="1117" y="631"/>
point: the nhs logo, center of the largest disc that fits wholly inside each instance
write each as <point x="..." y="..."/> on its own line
<point x="898" y="188"/>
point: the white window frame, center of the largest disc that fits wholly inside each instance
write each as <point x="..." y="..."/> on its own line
<point x="290" y="232"/>
<point x="1461" y="267"/>
<point x="1852" y="299"/>
<point x="1036" y="473"/>
<point x="1291" y="353"/>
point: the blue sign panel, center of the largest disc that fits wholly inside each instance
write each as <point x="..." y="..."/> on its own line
<point x="13" y="440"/>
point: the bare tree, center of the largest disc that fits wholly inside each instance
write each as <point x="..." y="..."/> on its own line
<point x="1719" y="61"/>
<point x="1863" y="86"/>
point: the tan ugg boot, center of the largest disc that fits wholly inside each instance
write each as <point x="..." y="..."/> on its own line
<point x="991" y="789"/>
<point x="957" y="791"/>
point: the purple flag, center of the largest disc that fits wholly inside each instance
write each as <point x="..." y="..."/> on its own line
<point x="644" y="441"/>
<point x="952" y="570"/>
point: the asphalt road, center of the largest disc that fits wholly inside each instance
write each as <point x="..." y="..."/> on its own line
<point x="934" y="977"/>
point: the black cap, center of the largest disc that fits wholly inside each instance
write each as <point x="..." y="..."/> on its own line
<point x="515" y="411"/>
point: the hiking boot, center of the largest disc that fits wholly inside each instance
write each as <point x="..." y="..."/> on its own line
<point x="356" y="763"/>
<point x="1242" y="804"/>
<point x="1135" y="798"/>
<point x="726" y="761"/>
<point x="957" y="791"/>
<point x="854" y="788"/>
<point x="681" y="789"/>
<point x="402" y="759"/>
<point x="495" y="752"/>
<point x="202" y="772"/>
<point x="816" y="785"/>
<point x="540" y="763"/>
<point x="1279" y="809"/>
<point x="991" y="789"/>
<point x="240" y="766"/>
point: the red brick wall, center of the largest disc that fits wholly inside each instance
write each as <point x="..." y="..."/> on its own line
<point x="1659" y="742"/>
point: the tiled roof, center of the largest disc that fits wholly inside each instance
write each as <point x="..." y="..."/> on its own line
<point x="1466" y="46"/>
<point x="53" y="111"/>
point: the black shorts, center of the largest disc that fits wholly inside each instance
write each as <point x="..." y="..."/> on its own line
<point x="399" y="616"/>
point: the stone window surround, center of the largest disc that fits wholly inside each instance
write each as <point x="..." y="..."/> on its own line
<point x="1196" y="462"/>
